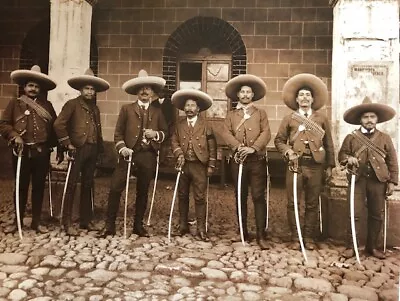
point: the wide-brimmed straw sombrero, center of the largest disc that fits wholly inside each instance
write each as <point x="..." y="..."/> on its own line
<point x="257" y="85"/>
<point x="384" y="112"/>
<point x="292" y="86"/>
<point x="88" y="78"/>
<point x="133" y="85"/>
<point x="203" y="100"/>
<point x="22" y="76"/>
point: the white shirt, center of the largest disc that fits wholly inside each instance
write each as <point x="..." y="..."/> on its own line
<point x="365" y="131"/>
<point x="193" y="120"/>
<point x="145" y="104"/>
<point x="309" y="112"/>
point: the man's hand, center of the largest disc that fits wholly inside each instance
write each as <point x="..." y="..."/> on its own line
<point x="180" y="162"/>
<point x="244" y="151"/>
<point x="60" y="157"/>
<point x="71" y="151"/>
<point x="126" y="152"/>
<point x="18" y="144"/>
<point x="149" y="133"/>
<point x="352" y="161"/>
<point x="292" y="155"/>
<point x="389" y="189"/>
<point x="210" y="171"/>
<point x="328" y="174"/>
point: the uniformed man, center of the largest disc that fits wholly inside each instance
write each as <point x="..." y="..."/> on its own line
<point x="305" y="140"/>
<point x="27" y="124"/>
<point x="139" y="131"/>
<point x="370" y="154"/>
<point x="247" y="133"/>
<point x="195" y="148"/>
<point x="78" y="128"/>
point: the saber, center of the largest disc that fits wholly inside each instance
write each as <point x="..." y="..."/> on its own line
<point x="296" y="214"/>
<point x="320" y="214"/>
<point x="154" y="188"/>
<point x="353" y="222"/>
<point x="208" y="187"/>
<point x="65" y="189"/>
<point x="128" y="173"/>
<point x="173" y="203"/>
<point x="92" y="197"/>
<point x="17" y="194"/>
<point x="385" y="225"/>
<point x="268" y="191"/>
<point x="239" y="201"/>
<point x="50" y="194"/>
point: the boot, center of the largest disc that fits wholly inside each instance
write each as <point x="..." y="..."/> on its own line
<point x="348" y="253"/>
<point x="376" y="253"/>
<point x="108" y="230"/>
<point x="261" y="240"/>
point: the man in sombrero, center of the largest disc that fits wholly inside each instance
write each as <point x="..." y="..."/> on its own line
<point x="195" y="148"/>
<point x="247" y="133"/>
<point x="78" y="129"/>
<point x="27" y="124"/>
<point x="305" y="140"/>
<point x="139" y="131"/>
<point x="372" y="154"/>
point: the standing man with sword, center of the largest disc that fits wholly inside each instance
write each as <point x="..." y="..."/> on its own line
<point x="305" y="140"/>
<point x="372" y="154"/>
<point x="27" y="124"/>
<point x="247" y="133"/>
<point x="195" y="148"/>
<point x="139" y="131"/>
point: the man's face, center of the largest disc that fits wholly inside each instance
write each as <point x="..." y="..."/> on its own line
<point x="369" y="120"/>
<point x="145" y="93"/>
<point x="191" y="108"/>
<point x="31" y="89"/>
<point x="304" y="99"/>
<point x="245" y="95"/>
<point x="88" y="92"/>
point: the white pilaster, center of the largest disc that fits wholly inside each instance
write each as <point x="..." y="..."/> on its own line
<point x="69" y="53"/>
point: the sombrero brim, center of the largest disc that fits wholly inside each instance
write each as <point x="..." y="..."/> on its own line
<point x="291" y="87"/>
<point x="99" y="84"/>
<point x="133" y="85"/>
<point x="257" y="85"/>
<point x="20" y="77"/>
<point x="384" y="112"/>
<point x="203" y="100"/>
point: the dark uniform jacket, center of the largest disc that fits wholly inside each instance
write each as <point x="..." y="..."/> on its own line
<point x="254" y="132"/>
<point x="74" y="121"/>
<point x="203" y="140"/>
<point x="129" y="126"/>
<point x="289" y="137"/>
<point x="17" y="120"/>
<point x="386" y="169"/>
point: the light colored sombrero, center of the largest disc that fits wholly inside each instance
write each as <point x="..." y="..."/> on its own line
<point x="22" y="76"/>
<point x="292" y="86"/>
<point x="133" y="85"/>
<point x="384" y="112"/>
<point x="203" y="100"/>
<point x="99" y="84"/>
<point x="257" y="85"/>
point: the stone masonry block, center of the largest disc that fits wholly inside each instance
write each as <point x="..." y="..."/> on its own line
<point x="175" y="3"/>
<point x="108" y="54"/>
<point x="116" y="94"/>
<point x="265" y="56"/>
<point x="324" y="42"/>
<point x="302" y="42"/>
<point x="153" y="27"/>
<point x="257" y="69"/>
<point x="279" y="14"/>
<point x="131" y="27"/>
<point x="254" y="41"/>
<point x="183" y="14"/>
<point x="293" y="3"/>
<point x="153" y="3"/>
<point x="290" y="56"/>
<point x="301" y="68"/>
<point x="304" y="14"/>
<point x="210" y="12"/>
<point x="164" y="14"/>
<point x="141" y="40"/>
<point x="244" y="3"/>
<point x="245" y="28"/>
<point x="272" y="84"/>
<point x="291" y="28"/>
<point x="315" y="56"/>
<point x="120" y="40"/>
<point x="10" y="64"/>
<point x="323" y="70"/>
<point x="131" y="54"/>
<point x="196" y="3"/>
<point x="256" y="14"/>
<point x="9" y="90"/>
<point x="152" y="54"/>
<point x="316" y="28"/>
<point x="108" y="107"/>
<point x="130" y="3"/>
<point x="118" y="67"/>
<point x="233" y="14"/>
<point x="278" y="42"/>
<point x="268" y="3"/>
<point x="278" y="70"/>
<point x="325" y="14"/>
<point x="267" y="28"/>
<point x="108" y="27"/>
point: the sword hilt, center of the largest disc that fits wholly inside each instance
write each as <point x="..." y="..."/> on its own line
<point x="294" y="164"/>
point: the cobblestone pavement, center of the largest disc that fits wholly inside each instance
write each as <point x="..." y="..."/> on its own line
<point x="53" y="266"/>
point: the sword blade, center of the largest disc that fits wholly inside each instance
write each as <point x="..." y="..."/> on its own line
<point x="172" y="205"/>
<point x="239" y="202"/>
<point x="17" y="201"/>
<point x="385" y="226"/>
<point x="128" y="173"/>
<point x="154" y="188"/>
<point x="50" y="193"/>
<point x="352" y="216"/>
<point x="267" y="198"/>
<point x="208" y="187"/>
<point x="65" y="190"/>
<point x="296" y="214"/>
<point x="320" y="214"/>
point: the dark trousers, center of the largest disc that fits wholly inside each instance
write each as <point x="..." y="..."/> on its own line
<point x="368" y="192"/>
<point x="310" y="181"/>
<point x="195" y="174"/>
<point x="85" y="166"/>
<point x="145" y="165"/>
<point x="254" y="175"/>
<point x="36" y="168"/>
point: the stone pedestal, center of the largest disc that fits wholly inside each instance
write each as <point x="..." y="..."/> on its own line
<point x="69" y="53"/>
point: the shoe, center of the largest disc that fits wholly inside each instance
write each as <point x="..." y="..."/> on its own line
<point x="39" y="229"/>
<point x="202" y="236"/>
<point x="376" y="253"/>
<point x="295" y="245"/>
<point x="86" y="227"/>
<point x="141" y="232"/>
<point x="262" y="242"/>
<point x="348" y="253"/>
<point x="183" y="231"/>
<point x="106" y="232"/>
<point x="310" y="245"/>
<point x="70" y="231"/>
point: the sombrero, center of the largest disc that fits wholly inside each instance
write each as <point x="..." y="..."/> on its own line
<point x="22" y="76"/>
<point x="203" y="100"/>
<point x="292" y="86"/>
<point x="133" y="85"/>
<point x="99" y="84"/>
<point x="257" y="85"/>
<point x="384" y="112"/>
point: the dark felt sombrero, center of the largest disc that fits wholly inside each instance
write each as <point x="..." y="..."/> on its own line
<point x="292" y="86"/>
<point x="257" y="85"/>
<point x="203" y="100"/>
<point x="384" y="112"/>
<point x="22" y="76"/>
<point x="99" y="84"/>
<point x="133" y="85"/>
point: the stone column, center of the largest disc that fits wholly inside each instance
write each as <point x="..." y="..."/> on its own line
<point x="69" y="53"/>
<point x="365" y="62"/>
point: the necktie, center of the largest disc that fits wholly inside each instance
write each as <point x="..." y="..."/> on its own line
<point x="306" y="115"/>
<point x="143" y="108"/>
<point x="191" y="124"/>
